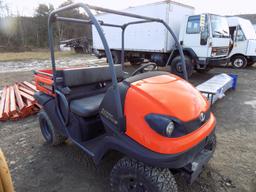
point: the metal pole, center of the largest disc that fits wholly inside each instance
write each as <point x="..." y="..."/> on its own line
<point x="51" y="46"/>
<point x="122" y="52"/>
<point x="73" y="20"/>
<point x="110" y="61"/>
<point x="122" y="13"/>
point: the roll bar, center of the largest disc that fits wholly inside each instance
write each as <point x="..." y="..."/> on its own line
<point x="93" y="21"/>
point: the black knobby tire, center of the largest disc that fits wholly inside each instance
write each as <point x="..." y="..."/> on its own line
<point x="176" y="66"/>
<point x="50" y="134"/>
<point x="132" y="175"/>
<point x="239" y="62"/>
<point x="116" y="57"/>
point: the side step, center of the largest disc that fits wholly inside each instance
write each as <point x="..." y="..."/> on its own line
<point x="96" y="147"/>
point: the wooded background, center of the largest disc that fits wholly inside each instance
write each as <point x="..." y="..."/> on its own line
<point x="19" y="33"/>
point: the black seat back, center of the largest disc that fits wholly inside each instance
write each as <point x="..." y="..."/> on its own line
<point x="90" y="75"/>
<point x="88" y="81"/>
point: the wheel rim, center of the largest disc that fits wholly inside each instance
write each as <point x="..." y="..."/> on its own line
<point x="179" y="67"/>
<point x="133" y="184"/>
<point x="46" y="130"/>
<point x="238" y="63"/>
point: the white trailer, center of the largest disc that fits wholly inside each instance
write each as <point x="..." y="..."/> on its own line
<point x="205" y="38"/>
<point x="243" y="35"/>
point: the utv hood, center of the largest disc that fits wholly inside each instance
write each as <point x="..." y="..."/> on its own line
<point x="169" y="95"/>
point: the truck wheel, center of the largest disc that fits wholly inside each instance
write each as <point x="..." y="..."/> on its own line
<point x="50" y="134"/>
<point x="239" y="62"/>
<point x="176" y="66"/>
<point x="132" y="175"/>
<point x="116" y="57"/>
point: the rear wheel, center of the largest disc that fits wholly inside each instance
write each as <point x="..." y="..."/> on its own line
<point x="176" y="66"/>
<point x="131" y="175"/>
<point x="239" y="62"/>
<point x="50" y="134"/>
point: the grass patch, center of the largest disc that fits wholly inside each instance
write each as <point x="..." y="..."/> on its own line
<point x="21" y="56"/>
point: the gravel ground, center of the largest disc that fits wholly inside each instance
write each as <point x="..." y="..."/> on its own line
<point x="37" y="167"/>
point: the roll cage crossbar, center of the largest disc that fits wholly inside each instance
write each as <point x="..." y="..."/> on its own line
<point x="53" y="17"/>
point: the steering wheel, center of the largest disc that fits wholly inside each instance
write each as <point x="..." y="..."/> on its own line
<point x="141" y="69"/>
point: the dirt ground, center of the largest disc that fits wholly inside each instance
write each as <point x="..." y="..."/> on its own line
<point x="37" y="167"/>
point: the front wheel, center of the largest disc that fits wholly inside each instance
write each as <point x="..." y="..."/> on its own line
<point x="176" y="66"/>
<point x="131" y="175"/>
<point x="239" y="62"/>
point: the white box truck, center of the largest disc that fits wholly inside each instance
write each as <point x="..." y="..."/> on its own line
<point x="205" y="38"/>
<point x="243" y="35"/>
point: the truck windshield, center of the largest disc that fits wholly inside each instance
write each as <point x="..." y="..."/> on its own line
<point x="248" y="30"/>
<point x="219" y="26"/>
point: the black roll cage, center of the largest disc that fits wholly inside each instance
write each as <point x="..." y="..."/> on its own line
<point x="93" y="21"/>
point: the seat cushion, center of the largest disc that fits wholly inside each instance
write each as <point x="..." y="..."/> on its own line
<point x="87" y="106"/>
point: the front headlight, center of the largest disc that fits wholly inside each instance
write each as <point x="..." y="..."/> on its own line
<point x="161" y="124"/>
<point x="169" y="129"/>
<point x="172" y="127"/>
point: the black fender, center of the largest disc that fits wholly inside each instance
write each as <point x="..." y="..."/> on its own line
<point x="48" y="103"/>
<point x="187" y="52"/>
<point x="190" y="52"/>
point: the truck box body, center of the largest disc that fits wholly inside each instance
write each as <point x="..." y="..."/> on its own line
<point x="147" y="37"/>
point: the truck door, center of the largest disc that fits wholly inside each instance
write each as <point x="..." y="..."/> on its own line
<point x="196" y="35"/>
<point x="240" y="42"/>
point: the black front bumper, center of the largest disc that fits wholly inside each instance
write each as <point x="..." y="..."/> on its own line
<point x="134" y="150"/>
<point x="212" y="62"/>
<point x="252" y="58"/>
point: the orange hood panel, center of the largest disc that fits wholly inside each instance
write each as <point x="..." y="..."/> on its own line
<point x="172" y="95"/>
<point x="166" y="95"/>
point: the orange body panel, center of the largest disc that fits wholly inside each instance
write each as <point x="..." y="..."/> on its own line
<point x="166" y="95"/>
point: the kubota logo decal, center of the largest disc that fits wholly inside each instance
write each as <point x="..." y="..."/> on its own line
<point x="108" y="116"/>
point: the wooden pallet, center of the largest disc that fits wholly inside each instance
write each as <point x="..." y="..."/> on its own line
<point x="17" y="101"/>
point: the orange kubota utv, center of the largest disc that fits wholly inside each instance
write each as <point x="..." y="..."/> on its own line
<point x="158" y="121"/>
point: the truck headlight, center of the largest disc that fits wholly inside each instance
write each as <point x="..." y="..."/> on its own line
<point x="162" y="124"/>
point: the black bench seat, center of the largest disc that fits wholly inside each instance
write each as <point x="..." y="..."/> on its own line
<point x="87" y="106"/>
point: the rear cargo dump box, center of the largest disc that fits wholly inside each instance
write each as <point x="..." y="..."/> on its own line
<point x="44" y="81"/>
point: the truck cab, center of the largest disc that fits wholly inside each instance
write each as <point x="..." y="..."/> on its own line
<point x="243" y="36"/>
<point x="206" y="40"/>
